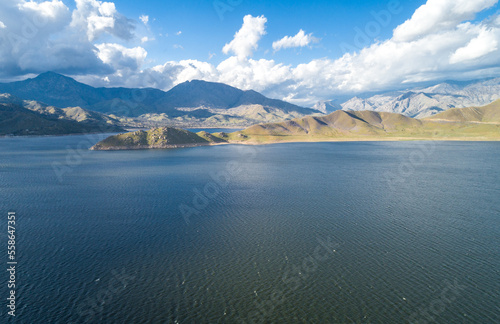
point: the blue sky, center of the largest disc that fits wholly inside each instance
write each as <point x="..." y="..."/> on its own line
<point x="207" y="25"/>
<point x="300" y="51"/>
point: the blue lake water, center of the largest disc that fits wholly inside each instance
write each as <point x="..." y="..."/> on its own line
<point x="380" y="232"/>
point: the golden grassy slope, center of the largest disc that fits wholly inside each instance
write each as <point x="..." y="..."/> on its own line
<point x="487" y="114"/>
<point x="461" y="124"/>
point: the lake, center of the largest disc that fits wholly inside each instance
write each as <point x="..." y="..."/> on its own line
<point x="360" y="232"/>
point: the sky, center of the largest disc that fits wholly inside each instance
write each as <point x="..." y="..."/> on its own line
<point x="299" y="51"/>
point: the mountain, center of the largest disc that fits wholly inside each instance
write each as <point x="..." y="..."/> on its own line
<point x="191" y="102"/>
<point x="477" y="123"/>
<point x="428" y="101"/>
<point x="62" y="91"/>
<point x="487" y="114"/>
<point x="338" y="124"/>
<point x="327" y="106"/>
<point x="469" y="124"/>
<point x="23" y="117"/>
<point x="205" y="94"/>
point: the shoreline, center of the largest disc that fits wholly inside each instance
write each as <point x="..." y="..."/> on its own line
<point x="253" y="143"/>
<point x="151" y="147"/>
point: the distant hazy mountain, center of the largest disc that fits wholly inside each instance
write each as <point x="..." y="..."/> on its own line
<point x="423" y="102"/>
<point x="327" y="106"/>
<point x="24" y="117"/>
<point x="190" y="100"/>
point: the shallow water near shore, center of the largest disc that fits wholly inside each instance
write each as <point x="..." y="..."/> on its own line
<point x="347" y="232"/>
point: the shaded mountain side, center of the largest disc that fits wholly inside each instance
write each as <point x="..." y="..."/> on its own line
<point x="85" y="118"/>
<point x="486" y="114"/>
<point x="198" y="93"/>
<point x="17" y="120"/>
<point x="61" y="91"/>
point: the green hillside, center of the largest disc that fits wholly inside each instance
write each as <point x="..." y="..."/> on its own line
<point x="163" y="137"/>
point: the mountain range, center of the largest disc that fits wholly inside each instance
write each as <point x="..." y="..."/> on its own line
<point x="28" y="117"/>
<point x="475" y="123"/>
<point x="192" y="102"/>
<point x="209" y="104"/>
<point x="427" y="101"/>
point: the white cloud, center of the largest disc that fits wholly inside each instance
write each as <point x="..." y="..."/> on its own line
<point x="48" y="9"/>
<point x="177" y="46"/>
<point x="252" y="74"/>
<point x="438" y="15"/>
<point x="2" y="25"/>
<point x="52" y="37"/>
<point x="121" y="57"/>
<point x="178" y="33"/>
<point x="436" y="43"/>
<point x="246" y="39"/>
<point x="97" y="17"/>
<point x="144" y="19"/>
<point x="486" y="42"/>
<point x="459" y="50"/>
<point x="300" y="40"/>
<point x="172" y="73"/>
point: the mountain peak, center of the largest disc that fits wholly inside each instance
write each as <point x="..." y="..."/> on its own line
<point x="327" y="106"/>
<point x="49" y="75"/>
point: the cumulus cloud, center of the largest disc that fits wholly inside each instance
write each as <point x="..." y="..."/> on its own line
<point x="456" y="49"/>
<point x="437" y="15"/>
<point x="464" y="49"/>
<point x="246" y="40"/>
<point x="438" y="42"/>
<point x="121" y="57"/>
<point x="96" y="18"/>
<point x="252" y="74"/>
<point x="190" y="69"/>
<point x="49" y="9"/>
<point x="2" y="25"/>
<point x="28" y="26"/>
<point x="484" y="43"/>
<point x="300" y="40"/>
<point x="46" y="35"/>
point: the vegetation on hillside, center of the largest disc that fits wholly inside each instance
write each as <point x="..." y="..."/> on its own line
<point x="339" y="125"/>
